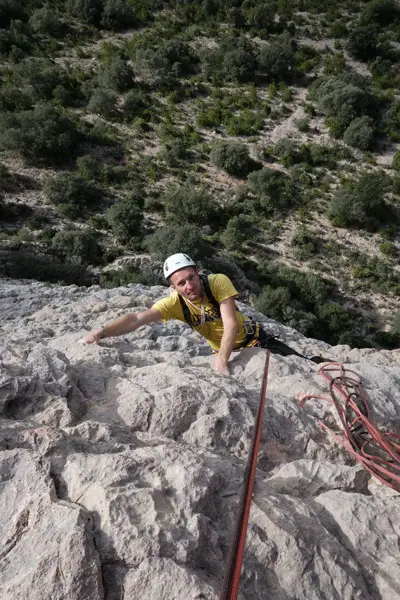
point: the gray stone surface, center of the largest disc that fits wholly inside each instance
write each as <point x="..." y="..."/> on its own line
<point x="121" y="463"/>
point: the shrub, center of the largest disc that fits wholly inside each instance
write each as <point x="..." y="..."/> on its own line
<point x="88" y="11"/>
<point x="237" y="231"/>
<point x="396" y="161"/>
<point x="273" y="302"/>
<point x="247" y="122"/>
<point x="41" y="77"/>
<point x="188" y="204"/>
<point x="44" y="20"/>
<point x="12" y="98"/>
<point x="78" y="247"/>
<point x="43" y="136"/>
<point x="71" y="193"/>
<point x="46" y="268"/>
<point x="362" y="42"/>
<point x="233" y="157"/>
<point x="118" y="14"/>
<point x="184" y="238"/>
<point x="127" y="275"/>
<point x="103" y="102"/>
<point x="136" y="104"/>
<point x="162" y="66"/>
<point x="361" y="203"/>
<point x="89" y="168"/>
<point x="381" y="12"/>
<point x="234" y="60"/>
<point x="360" y="133"/>
<point x="343" y="98"/>
<point x="274" y="190"/>
<point x="277" y="60"/>
<point x="173" y="152"/>
<point x="125" y="218"/>
<point x="116" y="75"/>
<point x="11" y="10"/>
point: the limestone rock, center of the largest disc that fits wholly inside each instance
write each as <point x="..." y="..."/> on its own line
<point x="121" y="463"/>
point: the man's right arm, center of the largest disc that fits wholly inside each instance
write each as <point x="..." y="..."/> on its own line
<point x="125" y="324"/>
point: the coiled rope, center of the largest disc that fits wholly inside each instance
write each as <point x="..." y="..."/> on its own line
<point x="231" y="582"/>
<point x="379" y="453"/>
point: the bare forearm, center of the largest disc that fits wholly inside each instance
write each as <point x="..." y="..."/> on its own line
<point x="228" y="341"/>
<point x="124" y="324"/>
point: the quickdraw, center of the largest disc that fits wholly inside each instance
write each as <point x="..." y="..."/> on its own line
<point x="379" y="453"/>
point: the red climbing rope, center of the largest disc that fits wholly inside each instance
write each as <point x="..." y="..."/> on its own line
<point x="379" y="453"/>
<point x="232" y="574"/>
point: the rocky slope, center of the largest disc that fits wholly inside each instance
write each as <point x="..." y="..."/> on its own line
<point x="121" y="464"/>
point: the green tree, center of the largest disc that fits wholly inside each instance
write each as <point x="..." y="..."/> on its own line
<point x="78" y="247"/>
<point x="189" y="204"/>
<point x="233" y="157"/>
<point x="116" y="75"/>
<point x="277" y="60"/>
<point x="43" y="136"/>
<point x="182" y="238"/>
<point x="71" y="193"/>
<point x="44" y="20"/>
<point x="380" y="12"/>
<point x="103" y="102"/>
<point x="118" y="14"/>
<point x="362" y="42"/>
<point x="360" y="133"/>
<point x="125" y="218"/>
<point x="362" y="203"/>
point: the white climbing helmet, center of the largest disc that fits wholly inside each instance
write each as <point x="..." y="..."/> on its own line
<point x="177" y="262"/>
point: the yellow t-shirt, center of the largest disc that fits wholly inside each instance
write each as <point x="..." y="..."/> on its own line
<point x="213" y="328"/>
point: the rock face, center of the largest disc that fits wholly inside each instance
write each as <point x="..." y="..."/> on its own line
<point x="121" y="463"/>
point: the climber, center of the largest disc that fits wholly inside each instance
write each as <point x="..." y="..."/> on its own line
<point x="207" y="304"/>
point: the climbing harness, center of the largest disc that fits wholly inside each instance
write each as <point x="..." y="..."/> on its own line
<point x="379" y="453"/>
<point x="234" y="566"/>
<point x="250" y="325"/>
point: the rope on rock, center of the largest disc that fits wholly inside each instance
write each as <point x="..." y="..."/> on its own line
<point x="379" y="453"/>
<point x="234" y="566"/>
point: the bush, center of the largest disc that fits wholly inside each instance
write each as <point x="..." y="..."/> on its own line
<point x="104" y="103"/>
<point x="273" y="302"/>
<point x="360" y="133"/>
<point x="43" y="136"/>
<point x="234" y="60"/>
<point x="71" y="193"/>
<point x="380" y="12"/>
<point x="46" y="268"/>
<point x="237" y="232"/>
<point x="361" y="204"/>
<point x="277" y="60"/>
<point x="396" y="161"/>
<point x="116" y="75"/>
<point x="233" y="157"/>
<point x="125" y="219"/>
<point x="173" y="152"/>
<point x="127" y="275"/>
<point x="362" y="42"/>
<point x="274" y="191"/>
<point x="89" y="168"/>
<point x="40" y="77"/>
<point x="88" y="11"/>
<point x="188" y="204"/>
<point x="78" y="247"/>
<point x="136" y="104"/>
<point x="164" y="65"/>
<point x="343" y="98"/>
<point x="44" y="20"/>
<point x="11" y="10"/>
<point x="184" y="238"/>
<point x="12" y="98"/>
<point x="118" y="14"/>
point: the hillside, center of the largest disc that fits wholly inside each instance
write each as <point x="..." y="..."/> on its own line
<point x="122" y="463"/>
<point x="260" y="137"/>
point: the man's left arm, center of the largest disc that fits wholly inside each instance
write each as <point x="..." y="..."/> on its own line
<point x="229" y="320"/>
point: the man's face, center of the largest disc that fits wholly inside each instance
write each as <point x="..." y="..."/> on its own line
<point x="187" y="283"/>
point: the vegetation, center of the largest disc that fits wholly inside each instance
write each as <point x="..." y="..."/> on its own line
<point x="206" y="133"/>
